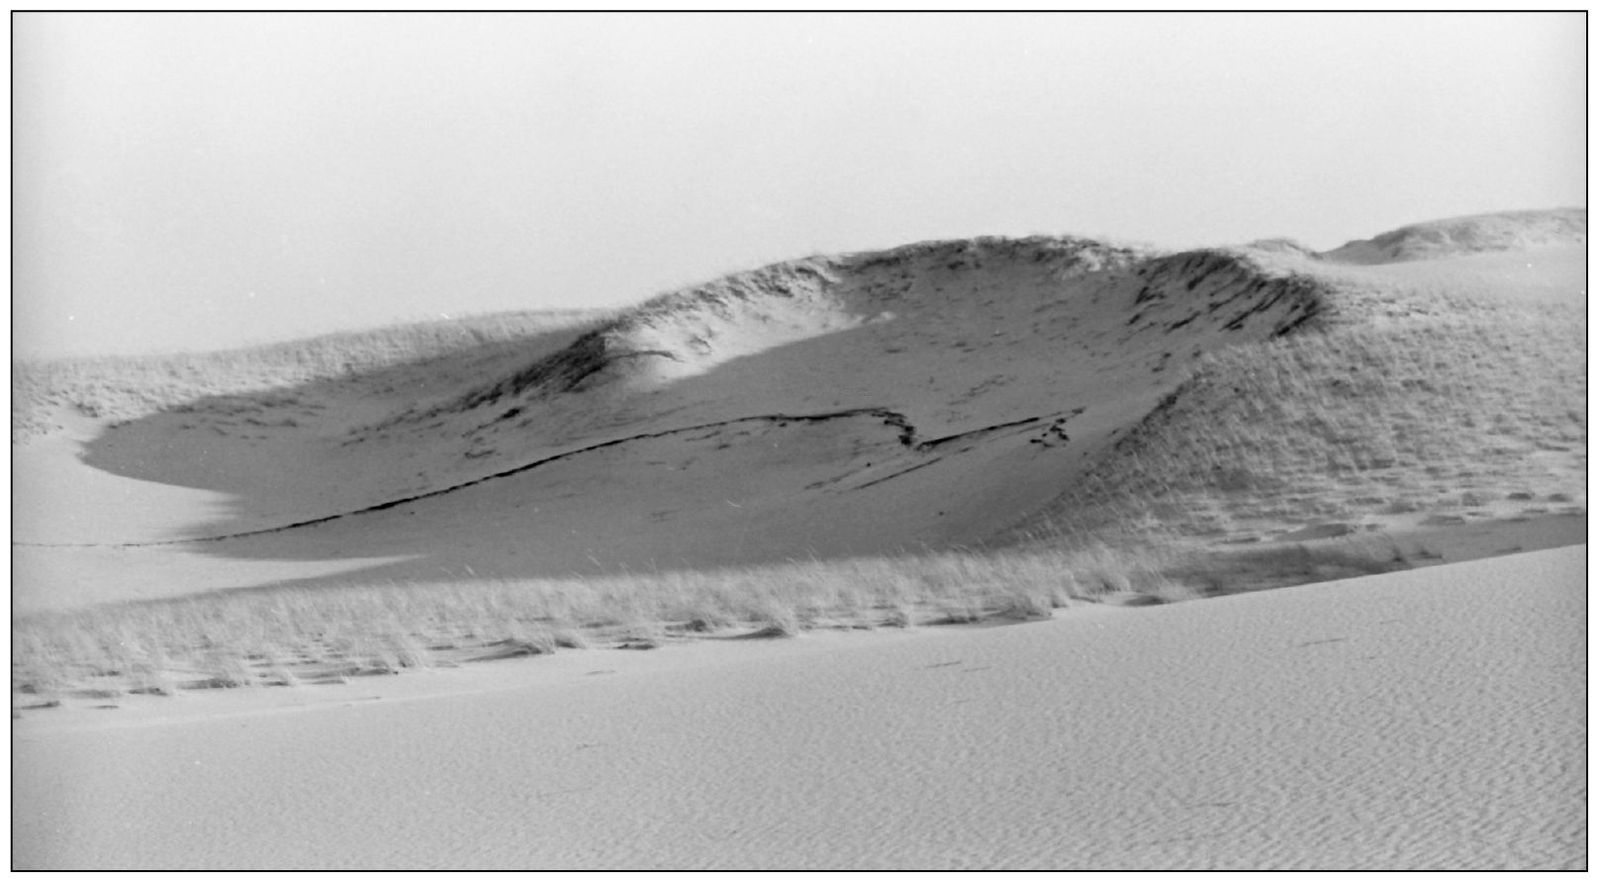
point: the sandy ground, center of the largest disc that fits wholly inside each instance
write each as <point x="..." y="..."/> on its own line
<point x="1425" y="719"/>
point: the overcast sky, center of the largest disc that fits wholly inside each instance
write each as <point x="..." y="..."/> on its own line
<point x="191" y="182"/>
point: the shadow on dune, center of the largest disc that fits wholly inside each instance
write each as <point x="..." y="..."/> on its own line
<point x="288" y="454"/>
<point x="954" y="390"/>
<point x="815" y="474"/>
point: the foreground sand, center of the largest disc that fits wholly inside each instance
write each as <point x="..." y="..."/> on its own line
<point x="1431" y="718"/>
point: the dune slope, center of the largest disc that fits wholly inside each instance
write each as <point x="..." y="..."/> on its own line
<point x="905" y="399"/>
<point x="975" y="393"/>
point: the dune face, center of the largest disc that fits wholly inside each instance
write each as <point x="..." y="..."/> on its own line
<point x="914" y="398"/>
<point x="972" y="393"/>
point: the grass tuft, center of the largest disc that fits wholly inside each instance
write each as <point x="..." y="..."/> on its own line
<point x="287" y="636"/>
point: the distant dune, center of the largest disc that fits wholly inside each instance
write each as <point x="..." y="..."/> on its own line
<point x="1504" y="231"/>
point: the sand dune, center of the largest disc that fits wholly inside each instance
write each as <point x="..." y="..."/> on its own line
<point x="1505" y="231"/>
<point x="1082" y="431"/>
<point x="942" y="394"/>
<point x="1431" y="719"/>
<point x="1002" y="366"/>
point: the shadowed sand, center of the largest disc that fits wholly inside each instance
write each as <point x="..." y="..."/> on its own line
<point x="1431" y="718"/>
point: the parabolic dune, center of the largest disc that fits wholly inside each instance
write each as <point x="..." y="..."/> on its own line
<point x="887" y="454"/>
<point x="944" y="394"/>
<point x="1430" y="719"/>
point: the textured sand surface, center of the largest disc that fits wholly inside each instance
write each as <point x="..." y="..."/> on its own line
<point x="1431" y="718"/>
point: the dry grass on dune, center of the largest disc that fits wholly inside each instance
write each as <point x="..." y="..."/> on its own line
<point x="1440" y="413"/>
<point x="282" y="636"/>
<point x="129" y="387"/>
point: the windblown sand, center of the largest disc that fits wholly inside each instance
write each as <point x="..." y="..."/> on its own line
<point x="1424" y="719"/>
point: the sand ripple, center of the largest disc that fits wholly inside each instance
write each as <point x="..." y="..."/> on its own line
<point x="1425" y="719"/>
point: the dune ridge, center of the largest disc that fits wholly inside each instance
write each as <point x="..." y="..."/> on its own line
<point x="1089" y="384"/>
<point x="638" y="373"/>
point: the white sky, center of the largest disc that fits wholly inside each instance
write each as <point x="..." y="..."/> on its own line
<point x="202" y="181"/>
